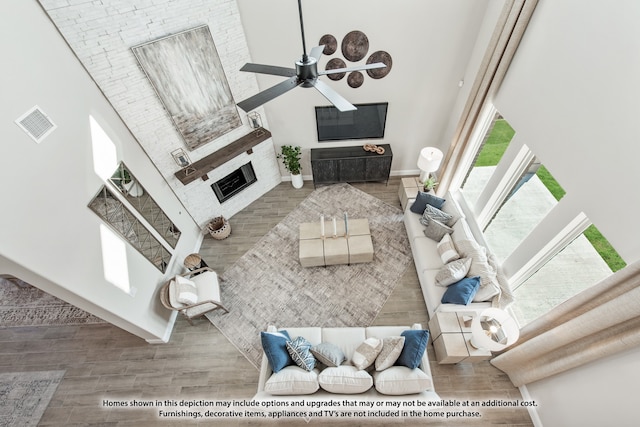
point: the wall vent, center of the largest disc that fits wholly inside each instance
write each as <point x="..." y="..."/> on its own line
<point x="36" y="124"/>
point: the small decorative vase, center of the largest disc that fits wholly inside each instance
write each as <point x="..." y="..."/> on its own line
<point x="296" y="180"/>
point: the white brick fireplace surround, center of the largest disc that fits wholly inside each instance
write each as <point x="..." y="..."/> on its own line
<point x="101" y="34"/>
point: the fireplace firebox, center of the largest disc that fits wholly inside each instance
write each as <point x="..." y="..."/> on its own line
<point x="234" y="183"/>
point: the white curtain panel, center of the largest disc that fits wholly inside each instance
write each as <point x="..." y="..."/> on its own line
<point x="504" y="42"/>
<point x="598" y="322"/>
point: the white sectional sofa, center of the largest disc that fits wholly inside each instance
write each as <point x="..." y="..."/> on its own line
<point x="429" y="263"/>
<point x="348" y="340"/>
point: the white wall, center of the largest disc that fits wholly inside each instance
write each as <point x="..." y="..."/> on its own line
<point x="571" y="94"/>
<point x="430" y="43"/>
<point x="48" y="235"/>
<point x="597" y="394"/>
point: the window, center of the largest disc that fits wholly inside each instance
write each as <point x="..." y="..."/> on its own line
<point x="526" y="205"/>
<point x="109" y="206"/>
<point x="512" y="194"/>
<point x="506" y="189"/>
<point x="141" y="201"/>
<point x="558" y="280"/>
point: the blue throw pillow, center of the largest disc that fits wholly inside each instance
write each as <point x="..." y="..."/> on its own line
<point x="300" y="351"/>
<point x="423" y="199"/>
<point x="462" y="292"/>
<point x="274" y="345"/>
<point x="415" y="344"/>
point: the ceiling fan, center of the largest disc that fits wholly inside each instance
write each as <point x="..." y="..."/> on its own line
<point x="305" y="74"/>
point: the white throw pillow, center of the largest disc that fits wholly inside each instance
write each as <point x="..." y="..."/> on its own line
<point x="480" y="264"/>
<point x="487" y="292"/>
<point x="345" y="379"/>
<point x="186" y="291"/>
<point x="453" y="272"/>
<point x="292" y="380"/>
<point x="447" y="250"/>
<point x="492" y="289"/>
<point x="400" y="380"/>
<point x="366" y="353"/>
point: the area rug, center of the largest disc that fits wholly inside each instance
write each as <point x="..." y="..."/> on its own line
<point x="24" y="305"/>
<point x="267" y="285"/>
<point x="24" y="396"/>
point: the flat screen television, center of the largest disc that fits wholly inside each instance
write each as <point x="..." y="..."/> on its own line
<point x="368" y="121"/>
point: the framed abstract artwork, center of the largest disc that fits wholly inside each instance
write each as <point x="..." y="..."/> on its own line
<point x="187" y="75"/>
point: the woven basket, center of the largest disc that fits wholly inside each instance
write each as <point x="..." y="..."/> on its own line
<point x="219" y="228"/>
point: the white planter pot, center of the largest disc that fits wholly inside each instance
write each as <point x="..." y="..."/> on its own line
<point x="296" y="181"/>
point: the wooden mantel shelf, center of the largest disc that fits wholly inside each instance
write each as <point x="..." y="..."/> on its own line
<point x="202" y="167"/>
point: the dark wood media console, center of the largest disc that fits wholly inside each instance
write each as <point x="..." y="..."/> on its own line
<point x="350" y="164"/>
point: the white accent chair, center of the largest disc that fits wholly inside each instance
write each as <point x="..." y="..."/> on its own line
<point x="207" y="288"/>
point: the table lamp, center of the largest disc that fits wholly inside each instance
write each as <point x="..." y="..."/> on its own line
<point x="429" y="161"/>
<point x="493" y="329"/>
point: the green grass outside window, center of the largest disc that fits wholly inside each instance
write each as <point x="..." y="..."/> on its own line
<point x="492" y="152"/>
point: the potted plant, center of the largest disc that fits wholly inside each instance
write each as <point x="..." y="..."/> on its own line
<point x="130" y="185"/>
<point x="291" y="159"/>
<point x="429" y="184"/>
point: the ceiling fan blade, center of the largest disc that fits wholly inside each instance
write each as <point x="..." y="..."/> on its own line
<point x="268" y="94"/>
<point x="316" y="52"/>
<point x="358" y="68"/>
<point x="269" y="69"/>
<point x="334" y="97"/>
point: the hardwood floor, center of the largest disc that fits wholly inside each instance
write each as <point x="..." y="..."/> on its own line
<point x="104" y="363"/>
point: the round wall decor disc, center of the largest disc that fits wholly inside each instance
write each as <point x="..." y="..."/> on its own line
<point x="330" y="44"/>
<point x="355" y="79"/>
<point x="380" y="56"/>
<point x="334" y="64"/>
<point x="355" y="46"/>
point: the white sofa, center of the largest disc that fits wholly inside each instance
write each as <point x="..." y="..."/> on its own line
<point x="428" y="261"/>
<point x="348" y="339"/>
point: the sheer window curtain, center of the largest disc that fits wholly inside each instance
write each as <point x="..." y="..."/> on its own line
<point x="504" y="41"/>
<point x="598" y="322"/>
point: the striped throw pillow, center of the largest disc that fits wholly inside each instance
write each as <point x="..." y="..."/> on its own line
<point x="300" y="351"/>
<point x="447" y="250"/>
<point x="186" y="291"/>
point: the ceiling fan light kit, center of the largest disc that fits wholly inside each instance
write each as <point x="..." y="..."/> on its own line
<point x="305" y="75"/>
